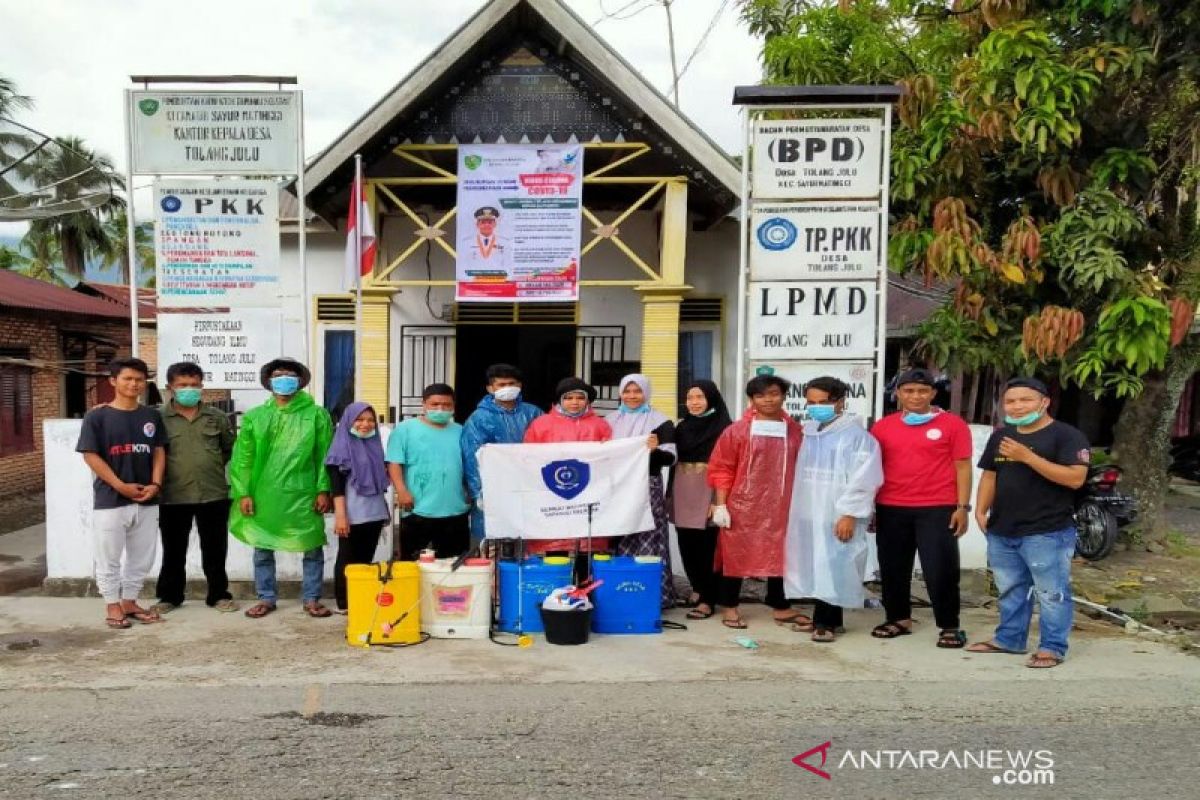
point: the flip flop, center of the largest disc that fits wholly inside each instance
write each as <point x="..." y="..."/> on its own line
<point x="991" y="647"/>
<point x="317" y="611"/>
<point x="890" y="630"/>
<point x="1043" y="661"/>
<point x="738" y="624"/>
<point x="117" y="623"/>
<point x="794" y="619"/>
<point x="144" y="616"/>
<point x="259" y="610"/>
<point x="823" y="635"/>
<point x="696" y="613"/>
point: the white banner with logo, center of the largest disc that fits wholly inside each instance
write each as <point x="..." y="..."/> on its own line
<point x="519" y="222"/>
<point x="811" y="320"/>
<point x="216" y="243"/>
<point x="543" y="491"/>
<point x="214" y="132"/>
<point x="230" y="348"/>
<point x="804" y="159"/>
<point x="814" y="240"/>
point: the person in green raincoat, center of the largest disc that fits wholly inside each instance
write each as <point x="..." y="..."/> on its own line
<point x="279" y="485"/>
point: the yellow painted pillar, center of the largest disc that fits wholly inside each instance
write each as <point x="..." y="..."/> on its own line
<point x="660" y="303"/>
<point x="376" y="350"/>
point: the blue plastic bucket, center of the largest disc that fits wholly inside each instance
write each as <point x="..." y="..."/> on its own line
<point x="630" y="599"/>
<point x="522" y="590"/>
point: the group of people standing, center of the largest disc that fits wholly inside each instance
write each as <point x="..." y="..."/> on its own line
<point x="759" y="497"/>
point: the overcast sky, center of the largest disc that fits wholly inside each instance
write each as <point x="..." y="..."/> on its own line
<point x="74" y="57"/>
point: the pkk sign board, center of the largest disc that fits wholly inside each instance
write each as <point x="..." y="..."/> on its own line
<point x="812" y="320"/>
<point x="814" y="240"/>
<point x="858" y="375"/>
<point x="214" y="132"/>
<point x="216" y="243"/>
<point x="809" y="159"/>
<point x="519" y="222"/>
<point x="230" y="348"/>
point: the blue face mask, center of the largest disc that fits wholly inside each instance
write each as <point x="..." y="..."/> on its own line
<point x="707" y="413"/>
<point x="187" y="396"/>
<point x="286" y="385"/>
<point x="438" y="417"/>
<point x="822" y="413"/>
<point x="368" y="435"/>
<point x="642" y="409"/>
<point x="1028" y="419"/>
<point x="911" y="418"/>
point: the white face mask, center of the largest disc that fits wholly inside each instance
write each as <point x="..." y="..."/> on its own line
<point x="507" y="394"/>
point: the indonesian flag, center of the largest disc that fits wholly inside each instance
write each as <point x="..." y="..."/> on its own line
<point x="360" y="215"/>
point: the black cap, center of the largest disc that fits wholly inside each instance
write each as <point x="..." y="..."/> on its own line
<point x="921" y="376"/>
<point x="264" y="375"/>
<point x="487" y="212"/>
<point x="574" y="385"/>
<point x="1027" y="383"/>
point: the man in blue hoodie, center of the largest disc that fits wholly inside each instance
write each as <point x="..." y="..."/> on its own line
<point x="500" y="418"/>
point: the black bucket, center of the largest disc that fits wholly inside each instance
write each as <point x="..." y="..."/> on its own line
<point x="567" y="626"/>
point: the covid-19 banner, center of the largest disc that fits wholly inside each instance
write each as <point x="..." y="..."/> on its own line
<point x="519" y="222"/>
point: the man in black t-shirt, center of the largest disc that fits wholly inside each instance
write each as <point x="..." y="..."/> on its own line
<point x="124" y="444"/>
<point x="1026" y="504"/>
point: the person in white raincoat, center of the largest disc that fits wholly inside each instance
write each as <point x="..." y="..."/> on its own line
<point x="838" y="471"/>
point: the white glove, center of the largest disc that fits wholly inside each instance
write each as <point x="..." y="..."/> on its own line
<point x="720" y="517"/>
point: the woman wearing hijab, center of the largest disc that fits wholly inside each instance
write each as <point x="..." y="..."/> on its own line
<point x="691" y="496"/>
<point x="359" y="480"/>
<point x="636" y="419"/>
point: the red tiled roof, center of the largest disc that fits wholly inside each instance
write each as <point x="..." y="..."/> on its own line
<point x="119" y="293"/>
<point x="18" y="291"/>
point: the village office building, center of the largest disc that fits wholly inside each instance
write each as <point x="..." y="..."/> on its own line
<point x="659" y="269"/>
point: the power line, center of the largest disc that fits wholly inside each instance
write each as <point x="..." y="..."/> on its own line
<point x="616" y="15"/>
<point x="712" y="24"/>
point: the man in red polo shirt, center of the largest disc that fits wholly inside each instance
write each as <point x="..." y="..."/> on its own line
<point x="923" y="507"/>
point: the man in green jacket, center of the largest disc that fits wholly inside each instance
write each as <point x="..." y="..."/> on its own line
<point x="279" y="485"/>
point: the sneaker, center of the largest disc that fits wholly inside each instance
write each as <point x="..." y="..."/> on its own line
<point x="226" y="606"/>
<point x="162" y="608"/>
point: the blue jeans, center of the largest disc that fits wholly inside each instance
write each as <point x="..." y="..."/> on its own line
<point x="1027" y="565"/>
<point x="264" y="575"/>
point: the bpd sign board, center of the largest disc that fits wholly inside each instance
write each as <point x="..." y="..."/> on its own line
<point x="814" y="240"/>
<point x="214" y="133"/>
<point x="816" y="158"/>
<point x="811" y="320"/>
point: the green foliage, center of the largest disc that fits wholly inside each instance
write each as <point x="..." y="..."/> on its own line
<point x="1047" y="153"/>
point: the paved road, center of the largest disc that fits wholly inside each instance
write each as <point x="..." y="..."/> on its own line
<point x="689" y="740"/>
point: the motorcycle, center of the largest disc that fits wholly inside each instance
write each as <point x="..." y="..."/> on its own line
<point x="1101" y="511"/>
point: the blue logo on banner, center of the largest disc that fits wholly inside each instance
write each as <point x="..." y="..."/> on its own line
<point x="776" y="234"/>
<point x="566" y="478"/>
<point x="171" y="204"/>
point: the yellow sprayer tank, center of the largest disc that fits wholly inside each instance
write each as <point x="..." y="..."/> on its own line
<point x="384" y="604"/>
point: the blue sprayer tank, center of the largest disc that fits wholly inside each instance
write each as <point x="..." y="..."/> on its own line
<point x="630" y="599"/>
<point x="523" y="587"/>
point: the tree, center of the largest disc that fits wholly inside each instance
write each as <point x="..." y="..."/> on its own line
<point x="70" y="171"/>
<point x="143" y="247"/>
<point x="1046" y="162"/>
<point x="10" y="99"/>
<point x="38" y="257"/>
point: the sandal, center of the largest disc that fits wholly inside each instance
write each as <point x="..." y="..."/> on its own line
<point x="952" y="639"/>
<point x="992" y="647"/>
<point x="801" y="621"/>
<point x="689" y="603"/>
<point x="143" y="615"/>
<point x="1043" y="661"/>
<point x="316" y="610"/>
<point x="259" y="610"/>
<point x="737" y="623"/>
<point x="226" y="605"/>
<point x="890" y="630"/>
<point x="822" y="634"/>
<point x="117" y="623"/>
<point x="696" y="613"/>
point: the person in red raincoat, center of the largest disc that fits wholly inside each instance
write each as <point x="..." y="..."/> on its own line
<point x="751" y="470"/>
<point x="571" y="419"/>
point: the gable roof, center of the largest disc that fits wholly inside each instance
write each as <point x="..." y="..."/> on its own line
<point x="329" y="173"/>
<point x="20" y="292"/>
<point x="118" y="293"/>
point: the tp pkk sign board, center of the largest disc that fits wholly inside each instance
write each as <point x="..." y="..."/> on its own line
<point x="814" y="240"/>
<point x="858" y="375"/>
<point x="231" y="348"/>
<point x="805" y="159"/>
<point x="214" y="133"/>
<point x="216" y="243"/>
<point x="811" y="320"/>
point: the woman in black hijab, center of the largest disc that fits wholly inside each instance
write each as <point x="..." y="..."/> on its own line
<point x="690" y="496"/>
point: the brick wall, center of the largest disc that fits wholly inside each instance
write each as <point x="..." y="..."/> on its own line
<point x="39" y="333"/>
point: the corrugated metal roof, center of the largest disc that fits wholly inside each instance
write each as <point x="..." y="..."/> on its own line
<point x="119" y="293"/>
<point x="18" y="291"/>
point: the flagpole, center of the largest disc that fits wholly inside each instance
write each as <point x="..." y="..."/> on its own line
<point x="358" y="252"/>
